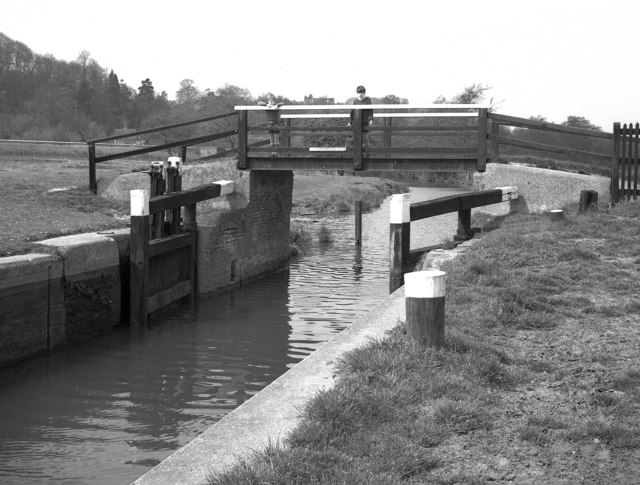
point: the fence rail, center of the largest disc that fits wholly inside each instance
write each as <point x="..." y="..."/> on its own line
<point x="495" y="139"/>
<point x="183" y="144"/>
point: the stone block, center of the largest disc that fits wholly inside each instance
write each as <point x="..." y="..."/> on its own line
<point x="32" y="316"/>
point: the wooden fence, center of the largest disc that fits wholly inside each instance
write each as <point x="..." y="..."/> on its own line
<point x="182" y="145"/>
<point x="402" y="213"/>
<point x="624" y="167"/>
<point x="496" y="139"/>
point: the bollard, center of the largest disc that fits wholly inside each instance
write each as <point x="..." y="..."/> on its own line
<point x="399" y="238"/>
<point x="424" y="299"/>
<point x="556" y="214"/>
<point x="588" y="201"/>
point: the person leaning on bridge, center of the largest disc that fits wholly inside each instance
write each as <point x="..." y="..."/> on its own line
<point x="273" y="119"/>
<point x="367" y="114"/>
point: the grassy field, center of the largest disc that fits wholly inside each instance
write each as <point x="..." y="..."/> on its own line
<point x="49" y="198"/>
<point x="539" y="381"/>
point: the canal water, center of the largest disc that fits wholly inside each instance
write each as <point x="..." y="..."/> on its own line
<point x="106" y="411"/>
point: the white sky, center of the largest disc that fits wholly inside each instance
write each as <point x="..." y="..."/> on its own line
<point x="553" y="58"/>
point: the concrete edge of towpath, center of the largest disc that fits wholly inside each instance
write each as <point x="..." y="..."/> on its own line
<point x="276" y="410"/>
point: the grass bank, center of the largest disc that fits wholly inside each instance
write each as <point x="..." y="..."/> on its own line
<point x="539" y="381"/>
<point x="49" y="198"/>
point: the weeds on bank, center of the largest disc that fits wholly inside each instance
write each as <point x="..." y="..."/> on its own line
<point x="396" y="404"/>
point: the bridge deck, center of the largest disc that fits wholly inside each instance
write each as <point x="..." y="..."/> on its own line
<point x="402" y="137"/>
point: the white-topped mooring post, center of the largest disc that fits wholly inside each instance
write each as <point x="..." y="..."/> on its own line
<point x="399" y="238"/>
<point x="425" y="300"/>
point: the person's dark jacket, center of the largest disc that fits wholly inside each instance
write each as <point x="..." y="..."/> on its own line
<point x="367" y="114"/>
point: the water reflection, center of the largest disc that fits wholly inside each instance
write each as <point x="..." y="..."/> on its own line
<point x="108" y="410"/>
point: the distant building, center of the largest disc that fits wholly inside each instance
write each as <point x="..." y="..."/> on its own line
<point x="321" y="100"/>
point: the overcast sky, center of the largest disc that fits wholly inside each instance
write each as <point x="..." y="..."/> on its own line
<point x="552" y="58"/>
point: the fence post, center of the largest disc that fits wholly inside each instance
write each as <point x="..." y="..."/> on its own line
<point x="358" y="215"/>
<point x="634" y="136"/>
<point x="93" y="183"/>
<point x="285" y="138"/>
<point x="387" y="132"/>
<point x="357" y="139"/>
<point x="399" y="238"/>
<point x="495" y="146"/>
<point x="615" y="160"/>
<point x="242" y="140"/>
<point x="482" y="140"/>
<point x="139" y="256"/>
<point x="425" y="301"/>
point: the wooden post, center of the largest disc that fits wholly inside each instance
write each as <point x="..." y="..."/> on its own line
<point x="399" y="239"/>
<point x="387" y="133"/>
<point x="615" y="160"/>
<point x="183" y="153"/>
<point x="242" y="140"/>
<point x="285" y="139"/>
<point x="139" y="256"/>
<point x="175" y="186"/>
<point x="625" y="148"/>
<point x="425" y="301"/>
<point x="556" y="214"/>
<point x="635" y="139"/>
<point x="93" y="182"/>
<point x="464" y="225"/>
<point x="495" y="146"/>
<point x="358" y="211"/>
<point x="357" y="139"/>
<point x="482" y="140"/>
<point x="588" y="201"/>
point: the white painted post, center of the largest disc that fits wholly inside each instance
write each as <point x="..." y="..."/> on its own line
<point x="425" y="301"/>
<point x="139" y="202"/>
<point x="399" y="238"/>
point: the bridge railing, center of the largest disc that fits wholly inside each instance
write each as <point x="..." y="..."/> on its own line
<point x="403" y="212"/>
<point x="182" y="145"/>
<point x="402" y="137"/>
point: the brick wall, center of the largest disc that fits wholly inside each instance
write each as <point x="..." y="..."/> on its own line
<point x="243" y="244"/>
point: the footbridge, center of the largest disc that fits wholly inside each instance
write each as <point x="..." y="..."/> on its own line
<point x="434" y="137"/>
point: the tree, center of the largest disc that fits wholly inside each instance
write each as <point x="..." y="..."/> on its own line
<point x="392" y="99"/>
<point x="580" y="122"/>
<point x="473" y="94"/>
<point x="188" y="92"/>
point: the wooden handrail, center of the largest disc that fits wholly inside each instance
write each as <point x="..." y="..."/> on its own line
<point x="402" y="213"/>
<point x="348" y="107"/>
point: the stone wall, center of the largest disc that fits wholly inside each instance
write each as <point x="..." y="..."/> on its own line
<point x="67" y="293"/>
<point x="240" y="242"/>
